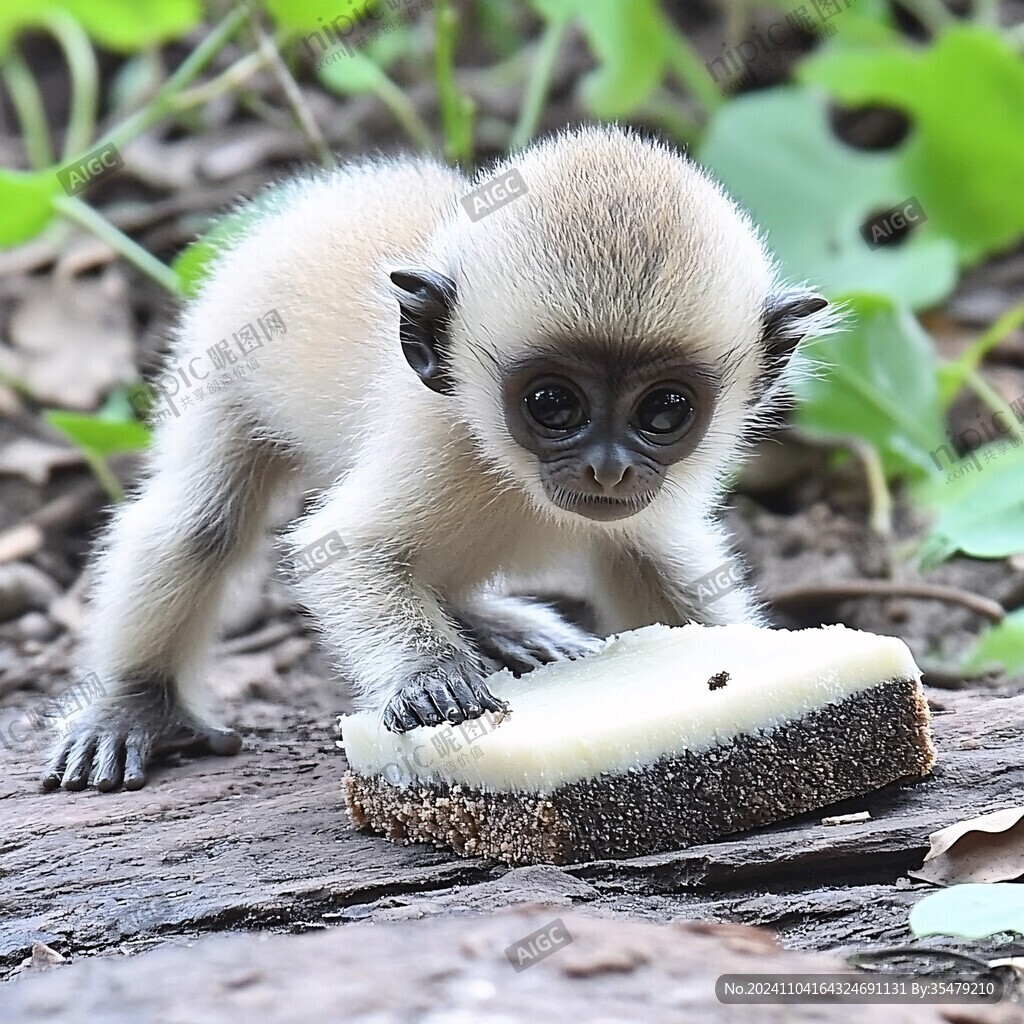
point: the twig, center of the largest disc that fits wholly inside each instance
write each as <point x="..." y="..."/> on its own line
<point x="852" y="589"/>
<point x="25" y="539"/>
<point x="189" y="69"/>
<point x="293" y="95"/>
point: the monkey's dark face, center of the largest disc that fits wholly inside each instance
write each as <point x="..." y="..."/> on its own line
<point x="605" y="434"/>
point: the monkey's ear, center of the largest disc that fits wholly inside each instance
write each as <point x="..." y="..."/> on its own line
<point x="426" y="300"/>
<point x="787" y="318"/>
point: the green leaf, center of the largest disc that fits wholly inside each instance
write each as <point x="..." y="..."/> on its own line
<point x="964" y="159"/>
<point x="122" y="25"/>
<point x="979" y="501"/>
<point x="630" y="41"/>
<point x="97" y="435"/>
<point x="1002" y="644"/>
<point x="775" y="153"/>
<point x="352" y="74"/>
<point x="193" y="264"/>
<point x="876" y="380"/>
<point x="26" y="201"/>
<point x="971" y="911"/>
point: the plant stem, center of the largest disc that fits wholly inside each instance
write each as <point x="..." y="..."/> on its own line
<point x="994" y="401"/>
<point x="670" y="117"/>
<point x="688" y="68"/>
<point x="879" y="496"/>
<point x="27" y="101"/>
<point x="105" y="475"/>
<point x="293" y="96"/>
<point x="972" y="356"/>
<point x="85" y="81"/>
<point x="85" y="216"/>
<point x="456" y="109"/>
<point x="230" y="78"/>
<point x="163" y="102"/>
<point x="538" y="84"/>
<point x="405" y="113"/>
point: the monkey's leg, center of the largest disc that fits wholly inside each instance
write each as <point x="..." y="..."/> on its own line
<point x="155" y="604"/>
<point x="521" y="633"/>
<point x="387" y="629"/>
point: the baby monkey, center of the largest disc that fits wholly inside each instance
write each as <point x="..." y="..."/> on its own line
<point x="546" y="399"/>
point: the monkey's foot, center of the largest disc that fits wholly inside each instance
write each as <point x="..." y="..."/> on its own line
<point x="450" y="694"/>
<point x="520" y="634"/>
<point x="112" y="742"/>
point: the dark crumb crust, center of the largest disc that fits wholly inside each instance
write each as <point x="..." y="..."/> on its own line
<point x="845" y="749"/>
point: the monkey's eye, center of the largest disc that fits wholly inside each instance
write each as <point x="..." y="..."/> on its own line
<point x="664" y="411"/>
<point x="555" y="408"/>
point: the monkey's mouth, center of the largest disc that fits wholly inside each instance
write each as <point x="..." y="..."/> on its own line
<point x="598" y="507"/>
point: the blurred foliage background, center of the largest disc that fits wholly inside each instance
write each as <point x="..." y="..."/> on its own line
<point x="821" y="118"/>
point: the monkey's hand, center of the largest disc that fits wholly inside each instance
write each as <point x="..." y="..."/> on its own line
<point x="521" y="634"/>
<point x="453" y="692"/>
<point x="113" y="740"/>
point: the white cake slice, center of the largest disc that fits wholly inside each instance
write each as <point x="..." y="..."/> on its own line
<point x="665" y="738"/>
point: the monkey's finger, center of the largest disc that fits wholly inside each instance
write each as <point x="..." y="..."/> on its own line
<point x="224" y="742"/>
<point x="466" y="699"/>
<point x="76" y="775"/>
<point x="137" y="750"/>
<point x="403" y="719"/>
<point x="544" y="652"/>
<point x="108" y="764"/>
<point x="423" y="701"/>
<point x="448" y="707"/>
<point x="53" y="772"/>
<point x="487" y="699"/>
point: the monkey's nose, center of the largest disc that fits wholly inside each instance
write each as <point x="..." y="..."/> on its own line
<point x="611" y="474"/>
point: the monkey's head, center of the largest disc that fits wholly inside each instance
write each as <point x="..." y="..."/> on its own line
<point x="614" y="332"/>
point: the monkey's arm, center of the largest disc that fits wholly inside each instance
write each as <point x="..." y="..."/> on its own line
<point x="699" y="577"/>
<point x="389" y="631"/>
<point x="685" y="577"/>
<point x="522" y="633"/>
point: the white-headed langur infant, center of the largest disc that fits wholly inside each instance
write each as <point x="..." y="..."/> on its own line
<point x="548" y="399"/>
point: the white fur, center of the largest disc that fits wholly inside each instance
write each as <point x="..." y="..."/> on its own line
<point x="434" y="502"/>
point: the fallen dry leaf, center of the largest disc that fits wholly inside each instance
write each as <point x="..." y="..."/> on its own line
<point x="989" y="848"/>
<point x="35" y="460"/>
<point x="71" y="341"/>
